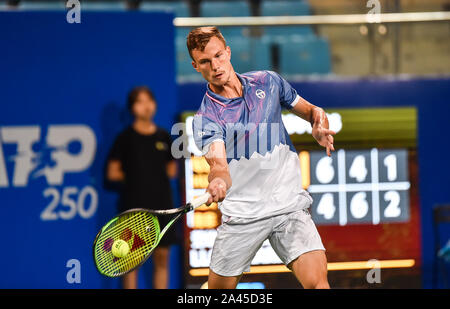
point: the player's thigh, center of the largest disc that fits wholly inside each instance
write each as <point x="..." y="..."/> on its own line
<point x="236" y="244"/>
<point x="310" y="269"/>
<point x="294" y="234"/>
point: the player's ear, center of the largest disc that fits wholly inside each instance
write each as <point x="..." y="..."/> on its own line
<point x="228" y="49"/>
<point x="194" y="65"/>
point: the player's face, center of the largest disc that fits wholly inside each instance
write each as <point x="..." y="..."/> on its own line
<point x="213" y="62"/>
<point x="144" y="108"/>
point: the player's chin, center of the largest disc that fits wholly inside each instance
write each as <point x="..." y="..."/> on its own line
<point x="219" y="80"/>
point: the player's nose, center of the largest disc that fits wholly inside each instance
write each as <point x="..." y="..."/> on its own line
<point x="215" y="65"/>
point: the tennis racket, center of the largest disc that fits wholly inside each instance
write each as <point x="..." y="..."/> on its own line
<point x="140" y="229"/>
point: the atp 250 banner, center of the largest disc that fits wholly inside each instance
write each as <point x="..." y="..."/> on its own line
<point x="64" y="149"/>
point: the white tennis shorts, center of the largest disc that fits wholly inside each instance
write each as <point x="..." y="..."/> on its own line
<point x="238" y="240"/>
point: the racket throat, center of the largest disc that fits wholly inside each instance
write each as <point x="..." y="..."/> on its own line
<point x="189" y="207"/>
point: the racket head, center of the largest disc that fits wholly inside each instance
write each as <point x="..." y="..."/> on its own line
<point x="139" y="228"/>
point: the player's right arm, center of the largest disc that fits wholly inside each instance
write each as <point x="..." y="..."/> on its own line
<point x="114" y="171"/>
<point x="219" y="176"/>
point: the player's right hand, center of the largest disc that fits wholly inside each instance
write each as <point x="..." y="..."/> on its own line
<point x="218" y="189"/>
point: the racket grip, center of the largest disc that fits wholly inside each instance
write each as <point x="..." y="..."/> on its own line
<point x="200" y="200"/>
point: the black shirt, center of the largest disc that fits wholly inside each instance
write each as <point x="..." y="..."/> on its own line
<point x="144" y="159"/>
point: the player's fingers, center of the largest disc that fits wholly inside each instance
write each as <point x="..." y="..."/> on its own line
<point x="326" y="131"/>
<point x="328" y="151"/>
<point x="210" y="200"/>
<point x="330" y="142"/>
<point x="330" y="138"/>
<point x="222" y="192"/>
<point x="213" y="193"/>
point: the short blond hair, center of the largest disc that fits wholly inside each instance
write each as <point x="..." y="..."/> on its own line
<point x="199" y="37"/>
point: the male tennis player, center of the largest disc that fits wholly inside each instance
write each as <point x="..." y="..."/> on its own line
<point x="254" y="167"/>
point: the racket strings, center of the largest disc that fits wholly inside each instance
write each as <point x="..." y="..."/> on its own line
<point x="141" y="232"/>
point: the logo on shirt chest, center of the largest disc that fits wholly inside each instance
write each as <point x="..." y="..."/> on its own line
<point x="161" y="146"/>
<point x="260" y="93"/>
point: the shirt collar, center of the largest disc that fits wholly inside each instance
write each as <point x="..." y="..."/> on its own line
<point x="222" y="100"/>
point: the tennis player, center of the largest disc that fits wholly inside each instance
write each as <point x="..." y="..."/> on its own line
<point x="254" y="168"/>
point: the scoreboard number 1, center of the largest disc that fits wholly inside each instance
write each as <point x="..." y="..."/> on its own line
<point x="360" y="186"/>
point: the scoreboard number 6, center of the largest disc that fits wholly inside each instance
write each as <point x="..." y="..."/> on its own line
<point x="359" y="207"/>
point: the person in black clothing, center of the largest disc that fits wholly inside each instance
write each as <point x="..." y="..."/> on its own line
<point x="141" y="159"/>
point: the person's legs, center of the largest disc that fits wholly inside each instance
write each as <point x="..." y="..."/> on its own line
<point x="161" y="269"/>
<point x="216" y="281"/>
<point x="310" y="269"/>
<point x="297" y="242"/>
<point x="130" y="280"/>
<point x="235" y="246"/>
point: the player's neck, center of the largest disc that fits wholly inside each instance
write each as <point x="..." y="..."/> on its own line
<point x="231" y="89"/>
<point x="145" y="127"/>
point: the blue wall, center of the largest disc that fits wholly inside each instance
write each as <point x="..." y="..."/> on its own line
<point x="430" y="96"/>
<point x="58" y="76"/>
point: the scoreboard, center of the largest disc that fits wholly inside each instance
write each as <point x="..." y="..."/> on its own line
<point x="359" y="186"/>
<point x="361" y="194"/>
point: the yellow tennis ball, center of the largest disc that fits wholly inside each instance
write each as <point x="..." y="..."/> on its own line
<point x="120" y="248"/>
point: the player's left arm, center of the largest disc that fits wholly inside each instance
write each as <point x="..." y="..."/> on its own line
<point x="171" y="169"/>
<point x="319" y="122"/>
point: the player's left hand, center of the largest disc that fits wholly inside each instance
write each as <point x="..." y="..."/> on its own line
<point x="323" y="135"/>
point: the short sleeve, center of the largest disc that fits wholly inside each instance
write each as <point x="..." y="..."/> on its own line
<point x="168" y="141"/>
<point x="288" y="95"/>
<point x="206" y="132"/>
<point x="117" y="150"/>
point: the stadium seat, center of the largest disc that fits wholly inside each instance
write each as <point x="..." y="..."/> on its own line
<point x="249" y="54"/>
<point x="180" y="8"/>
<point x="103" y="5"/>
<point x="227" y="9"/>
<point x="260" y="54"/>
<point x="44" y="5"/>
<point x="184" y="67"/>
<point x="305" y="55"/>
<point x="286" y="8"/>
<point x="240" y="53"/>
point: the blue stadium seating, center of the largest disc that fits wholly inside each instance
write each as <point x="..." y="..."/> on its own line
<point x="42" y="5"/>
<point x="179" y="8"/>
<point x="227" y="9"/>
<point x="103" y="6"/>
<point x="247" y="54"/>
<point x="299" y="50"/>
<point x="260" y="54"/>
<point x="183" y="60"/>
<point x="305" y="55"/>
<point x="241" y="57"/>
<point x="286" y="8"/>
